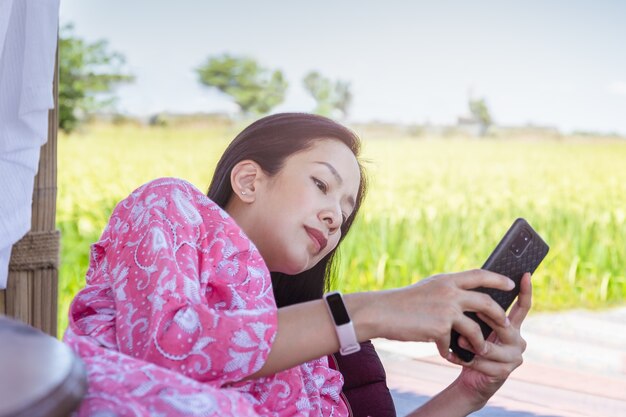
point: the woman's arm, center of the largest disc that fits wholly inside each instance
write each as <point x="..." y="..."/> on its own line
<point x="451" y="402"/>
<point x="425" y="311"/>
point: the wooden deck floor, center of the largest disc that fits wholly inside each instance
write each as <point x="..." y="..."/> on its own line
<point x="581" y="375"/>
<point x="532" y="390"/>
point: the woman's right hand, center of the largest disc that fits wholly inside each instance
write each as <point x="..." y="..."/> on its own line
<point x="428" y="310"/>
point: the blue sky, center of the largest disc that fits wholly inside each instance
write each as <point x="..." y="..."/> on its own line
<point x="551" y="62"/>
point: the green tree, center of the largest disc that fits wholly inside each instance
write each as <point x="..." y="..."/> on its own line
<point x="330" y="97"/>
<point x="256" y="90"/>
<point x="480" y="112"/>
<point x="343" y="97"/>
<point x="88" y="73"/>
<point x="321" y="88"/>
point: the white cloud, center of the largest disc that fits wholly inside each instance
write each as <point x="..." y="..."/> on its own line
<point x="618" y="87"/>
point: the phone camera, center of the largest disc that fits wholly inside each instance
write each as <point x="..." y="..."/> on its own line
<point x="521" y="242"/>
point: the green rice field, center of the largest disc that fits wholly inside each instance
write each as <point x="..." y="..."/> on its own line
<point x="434" y="205"/>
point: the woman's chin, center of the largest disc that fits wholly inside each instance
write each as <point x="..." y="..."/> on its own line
<point x="296" y="266"/>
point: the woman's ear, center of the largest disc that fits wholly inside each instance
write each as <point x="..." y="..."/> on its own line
<point x="244" y="178"/>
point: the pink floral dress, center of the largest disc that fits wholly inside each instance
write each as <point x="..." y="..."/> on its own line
<point x="177" y="309"/>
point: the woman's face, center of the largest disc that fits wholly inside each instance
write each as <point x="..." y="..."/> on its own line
<point x="300" y="210"/>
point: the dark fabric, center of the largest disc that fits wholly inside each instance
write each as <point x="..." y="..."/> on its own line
<point x="365" y="382"/>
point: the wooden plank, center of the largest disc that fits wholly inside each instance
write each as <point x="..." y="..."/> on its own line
<point x="27" y="299"/>
<point x="49" y="298"/>
<point x="11" y="293"/>
<point x="533" y="392"/>
<point x="3" y="305"/>
<point x="19" y="296"/>
<point x="54" y="298"/>
<point x="45" y="301"/>
<point x="36" y="300"/>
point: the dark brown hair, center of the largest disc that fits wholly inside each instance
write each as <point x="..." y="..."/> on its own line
<point x="269" y="142"/>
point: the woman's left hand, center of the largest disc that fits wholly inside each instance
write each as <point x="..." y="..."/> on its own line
<point x="486" y="373"/>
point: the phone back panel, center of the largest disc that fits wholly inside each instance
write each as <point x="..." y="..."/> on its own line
<point x="503" y="261"/>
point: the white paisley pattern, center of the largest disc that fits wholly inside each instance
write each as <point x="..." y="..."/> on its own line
<point x="177" y="309"/>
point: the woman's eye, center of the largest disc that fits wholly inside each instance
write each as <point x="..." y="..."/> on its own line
<point x="320" y="185"/>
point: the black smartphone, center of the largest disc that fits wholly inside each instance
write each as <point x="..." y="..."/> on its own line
<point x="521" y="250"/>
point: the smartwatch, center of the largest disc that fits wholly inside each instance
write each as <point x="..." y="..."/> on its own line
<point x="343" y="325"/>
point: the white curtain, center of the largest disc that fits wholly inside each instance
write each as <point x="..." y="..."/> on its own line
<point x="28" y="41"/>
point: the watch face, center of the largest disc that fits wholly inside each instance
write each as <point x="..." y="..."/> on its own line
<point x="338" y="309"/>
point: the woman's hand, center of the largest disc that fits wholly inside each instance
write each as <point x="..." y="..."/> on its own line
<point x="484" y="375"/>
<point x="429" y="309"/>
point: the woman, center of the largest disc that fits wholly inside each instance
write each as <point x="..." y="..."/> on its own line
<point x="179" y="314"/>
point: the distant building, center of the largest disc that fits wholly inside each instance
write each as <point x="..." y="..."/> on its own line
<point x="470" y="126"/>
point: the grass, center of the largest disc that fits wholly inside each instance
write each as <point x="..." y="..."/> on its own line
<point x="433" y="205"/>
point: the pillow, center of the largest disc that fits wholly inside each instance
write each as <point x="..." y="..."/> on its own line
<point x="365" y="388"/>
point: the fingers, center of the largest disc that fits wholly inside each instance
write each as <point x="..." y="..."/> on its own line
<point x="443" y="347"/>
<point x="522" y="306"/>
<point x="492" y="368"/>
<point x="496" y="359"/>
<point x="482" y="278"/>
<point x="449" y="297"/>
<point x="506" y="334"/>
<point x="470" y="334"/>
<point x="502" y="352"/>
<point x="479" y="302"/>
<point x="484" y="304"/>
<point x="505" y="344"/>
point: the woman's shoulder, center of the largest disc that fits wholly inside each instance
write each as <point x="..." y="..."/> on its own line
<point x="178" y="190"/>
<point x="173" y="197"/>
<point x="167" y="186"/>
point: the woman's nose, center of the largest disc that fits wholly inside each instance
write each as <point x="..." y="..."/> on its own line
<point x="332" y="219"/>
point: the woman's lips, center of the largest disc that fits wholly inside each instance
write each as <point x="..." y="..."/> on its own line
<point x="318" y="237"/>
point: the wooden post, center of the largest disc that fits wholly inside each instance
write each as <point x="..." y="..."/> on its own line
<point x="32" y="286"/>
